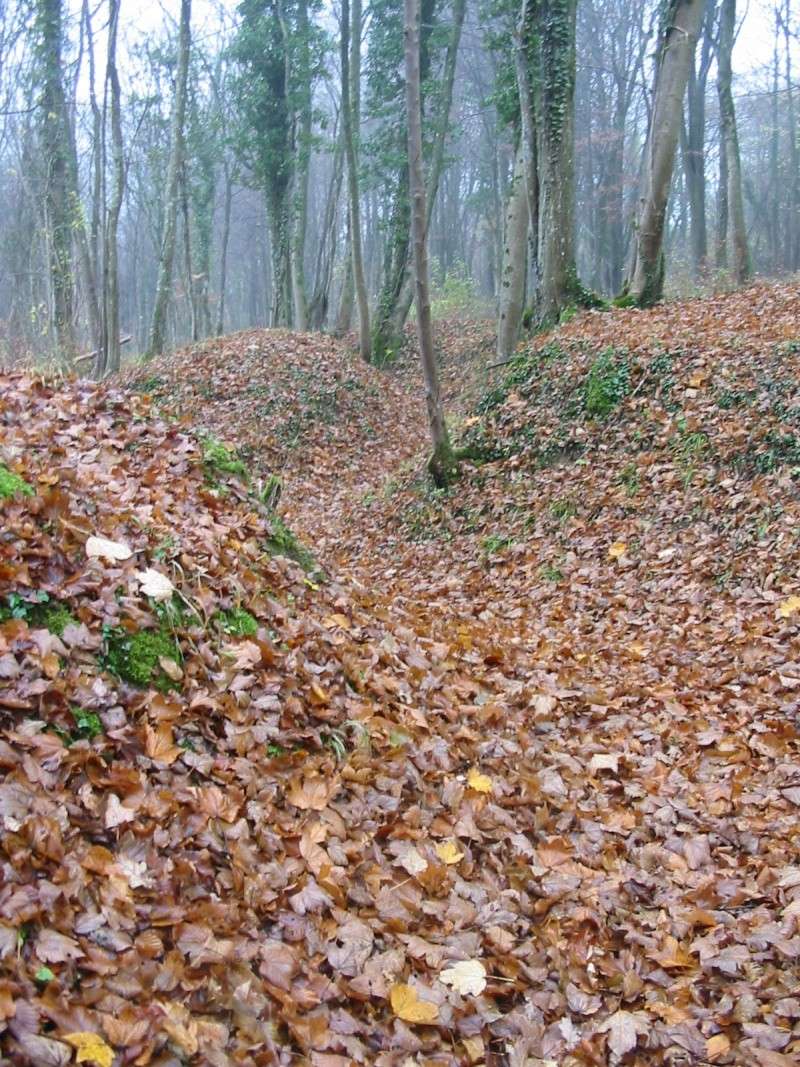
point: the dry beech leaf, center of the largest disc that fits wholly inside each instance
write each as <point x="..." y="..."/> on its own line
<point x="160" y="745"/>
<point x="116" y="813"/>
<point x="480" y="783"/>
<point x="155" y="584"/>
<point x="112" y="551"/>
<point x="90" y="1048"/>
<point x="407" y="1005"/>
<point x="467" y="977"/>
<point x="312" y="793"/>
<point x="717" y="1046"/>
<point x="604" y="761"/>
<point x="448" y="852"/>
<point x="617" y="550"/>
<point x="413" y="861"/>
<point x="623" y="1032"/>
<point x="789" y="606"/>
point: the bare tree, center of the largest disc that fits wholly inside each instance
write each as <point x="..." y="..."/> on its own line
<point x="442" y="464"/>
<point x="158" y="325"/>
<point x="349" y="111"/>
<point x="735" y="228"/>
<point x="678" y="38"/>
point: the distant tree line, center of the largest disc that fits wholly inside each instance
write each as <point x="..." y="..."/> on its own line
<point x="254" y="169"/>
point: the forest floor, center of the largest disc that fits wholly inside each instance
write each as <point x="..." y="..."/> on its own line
<point x="505" y="774"/>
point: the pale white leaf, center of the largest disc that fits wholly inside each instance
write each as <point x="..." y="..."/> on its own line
<point x="412" y="861"/>
<point x="155" y="584"/>
<point x="468" y="977"/>
<point x="102" y="548"/>
<point x="604" y="761"/>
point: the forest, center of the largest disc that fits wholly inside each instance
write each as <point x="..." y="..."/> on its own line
<point x="399" y="533"/>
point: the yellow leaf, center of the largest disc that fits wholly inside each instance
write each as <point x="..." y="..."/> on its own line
<point x="617" y="550"/>
<point x="407" y="1006"/>
<point x="481" y="783"/>
<point x="90" y="1048"/>
<point x="789" y="607"/>
<point x="448" y="852"/>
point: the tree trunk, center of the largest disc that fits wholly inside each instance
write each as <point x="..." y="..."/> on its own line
<point x="440" y="143"/>
<point x="679" y="36"/>
<point x="512" y="278"/>
<point x="442" y="464"/>
<point x="55" y="141"/>
<point x="158" y="324"/>
<point x="729" y="147"/>
<point x="300" y="170"/>
<point x="108" y="356"/>
<point x="351" y="38"/>
<point x="387" y="333"/>
<point x="694" y="154"/>
<point x="553" y="49"/>
<point x="223" y="255"/>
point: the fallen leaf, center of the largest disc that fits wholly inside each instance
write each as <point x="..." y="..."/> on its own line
<point x="155" y="584"/>
<point x="467" y="977"/>
<point x="102" y="548"/>
<point x="116" y="813"/>
<point x="449" y="853"/>
<point x="481" y="783"/>
<point x="717" y="1046"/>
<point x="604" y="761"/>
<point x="789" y="606"/>
<point x="407" y="1005"/>
<point x="618" y="549"/>
<point x="623" y="1032"/>
<point x="413" y="861"/>
<point x="90" y="1048"/>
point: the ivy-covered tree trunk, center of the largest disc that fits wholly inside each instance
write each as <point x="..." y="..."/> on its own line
<point x="734" y="203"/>
<point x="442" y="464"/>
<point x="678" y="38"/>
<point x="555" y="126"/>
<point x="158" y="325"/>
<point x="387" y="332"/>
<point x="55" y="142"/>
<point x="515" y="247"/>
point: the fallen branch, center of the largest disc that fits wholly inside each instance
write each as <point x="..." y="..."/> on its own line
<point x="93" y="355"/>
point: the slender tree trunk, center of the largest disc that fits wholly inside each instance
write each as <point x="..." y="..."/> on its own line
<point x="774" y="145"/>
<point x="326" y="252"/>
<point x="679" y="37"/>
<point x="108" y="356"/>
<point x="223" y="255"/>
<point x="302" y="153"/>
<point x="440" y="143"/>
<point x="353" y="36"/>
<point x="793" y="220"/>
<point x="158" y="326"/>
<point x="694" y="154"/>
<point x="55" y="142"/>
<point x="729" y="145"/>
<point x="442" y="464"/>
<point x="512" y="278"/>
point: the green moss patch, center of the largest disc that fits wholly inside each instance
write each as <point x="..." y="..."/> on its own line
<point x="219" y="460"/>
<point x="283" y="542"/>
<point x="136" y="657"/>
<point x="12" y="484"/>
<point x="237" y="622"/>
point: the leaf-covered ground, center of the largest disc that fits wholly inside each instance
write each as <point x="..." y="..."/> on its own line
<point x="506" y="775"/>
